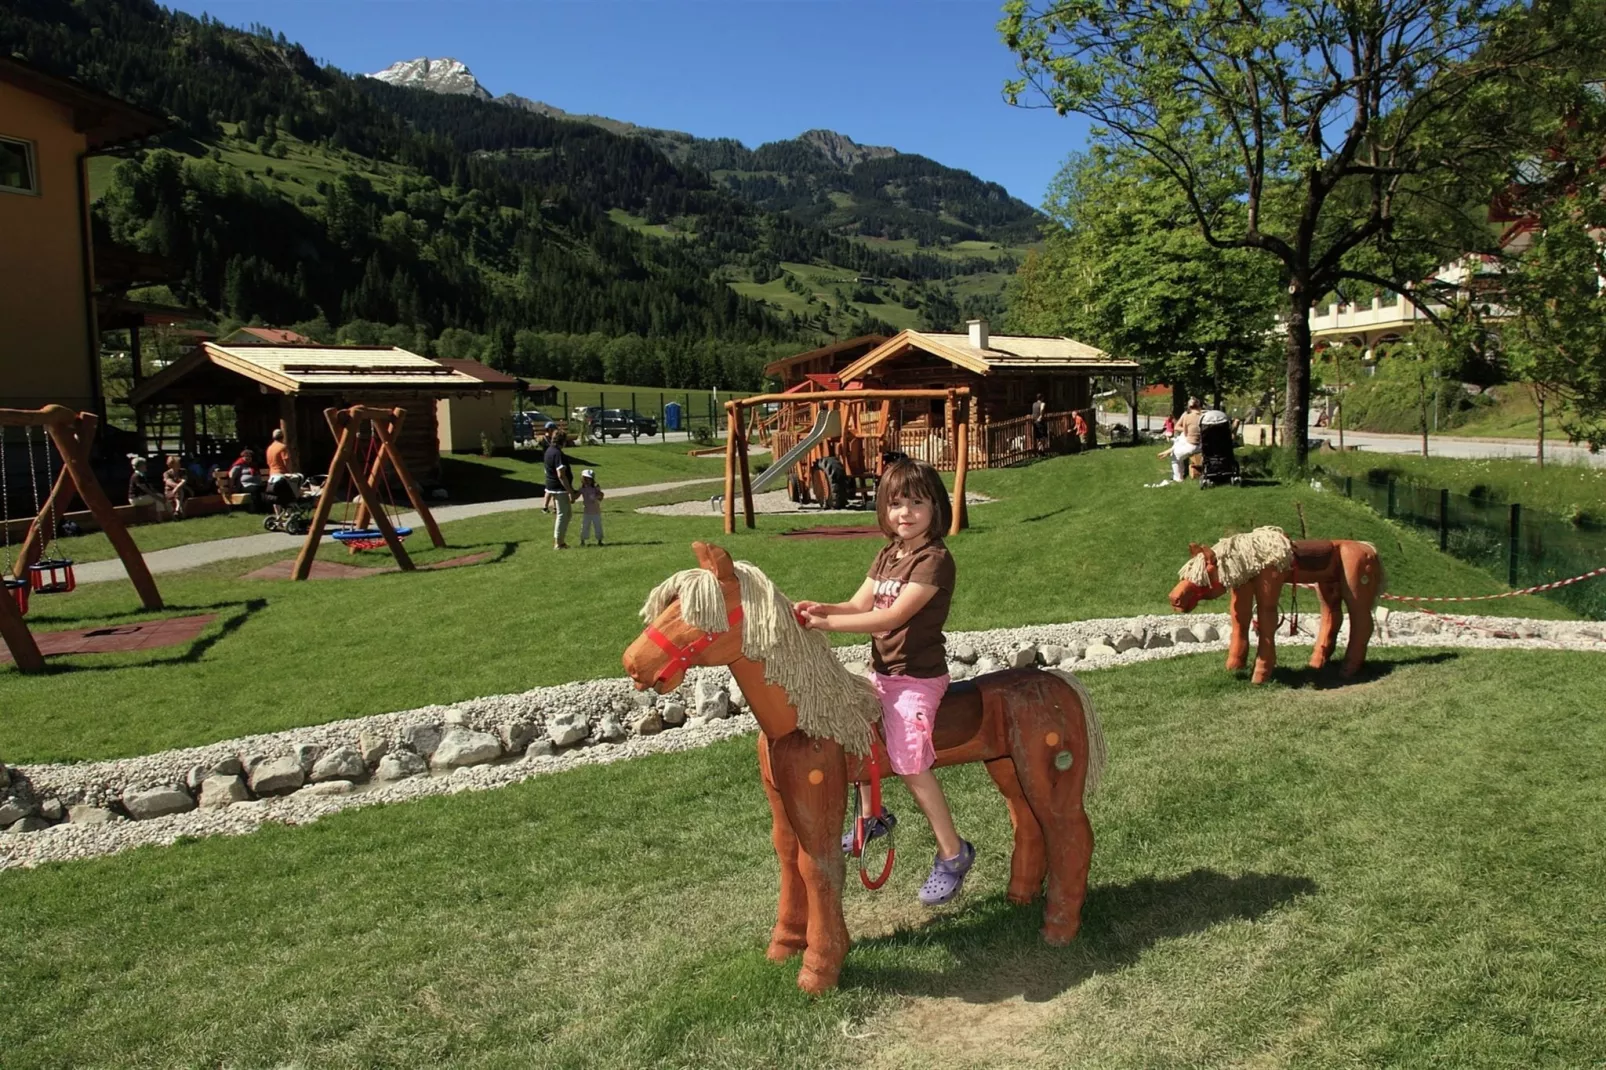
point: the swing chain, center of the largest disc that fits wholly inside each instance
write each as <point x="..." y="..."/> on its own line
<point x="5" y="501"/>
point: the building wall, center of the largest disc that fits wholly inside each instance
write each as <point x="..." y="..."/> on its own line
<point x="43" y="318"/>
<point x="461" y="421"/>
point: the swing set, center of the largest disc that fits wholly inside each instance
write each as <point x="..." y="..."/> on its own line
<point x="373" y="524"/>
<point x="38" y="568"/>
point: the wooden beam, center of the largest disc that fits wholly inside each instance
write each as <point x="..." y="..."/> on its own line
<point x="415" y="494"/>
<point x="72" y="442"/>
<point x="747" y="481"/>
<point x="730" y="468"/>
<point x="341" y="426"/>
<point x="49" y="416"/>
<point x="961" y="517"/>
<point x="14" y="630"/>
<point x="845" y="395"/>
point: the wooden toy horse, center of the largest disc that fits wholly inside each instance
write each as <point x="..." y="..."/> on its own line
<point x="1036" y="730"/>
<point x="1254" y="567"/>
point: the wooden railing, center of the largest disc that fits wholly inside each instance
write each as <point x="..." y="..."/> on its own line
<point x="996" y="445"/>
<point x="1012" y="441"/>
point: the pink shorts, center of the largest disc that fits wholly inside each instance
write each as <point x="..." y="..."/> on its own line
<point x="908" y="717"/>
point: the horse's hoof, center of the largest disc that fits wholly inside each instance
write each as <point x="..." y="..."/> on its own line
<point x="1261" y="676"/>
<point x="1059" y="935"/>
<point x="781" y="950"/>
<point x="1234" y="664"/>
<point x="1024" y="896"/>
<point x="816" y="982"/>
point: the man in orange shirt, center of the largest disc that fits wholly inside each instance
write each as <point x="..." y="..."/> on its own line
<point x="278" y="455"/>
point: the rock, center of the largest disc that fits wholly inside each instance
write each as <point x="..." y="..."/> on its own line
<point x="52" y="810"/>
<point x="738" y="700"/>
<point x="673" y="713"/>
<point x="958" y="670"/>
<point x="456" y="718"/>
<point x="372" y="746"/>
<point x="342" y="763"/>
<point x="648" y="724"/>
<point x="1074" y="652"/>
<point x="697" y="722"/>
<point x="1052" y="654"/>
<point x="158" y="802"/>
<point x="5" y="778"/>
<point x="964" y="653"/>
<point x="463" y="746"/>
<point x="516" y="736"/>
<point x="327" y="787"/>
<point x="1069" y="664"/>
<point x="218" y="791"/>
<point x="610" y="730"/>
<point x="1183" y="635"/>
<point x="1158" y="641"/>
<point x="196" y="775"/>
<point x="568" y="729"/>
<point x="1023" y="657"/>
<point x="985" y="665"/>
<point x="644" y="699"/>
<point x="277" y="776"/>
<point x="400" y="764"/>
<point x="713" y="701"/>
<point x="1211" y="634"/>
<point x="231" y="766"/>
<point x="1100" y="650"/>
<point x="422" y="738"/>
<point x="29" y="824"/>
<point x="90" y="815"/>
<point x="541" y="748"/>
<point x="307" y="754"/>
<point x="14" y="810"/>
<point x="1128" y="641"/>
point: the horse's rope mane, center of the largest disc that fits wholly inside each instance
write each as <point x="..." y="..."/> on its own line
<point x="1240" y="558"/>
<point x="831" y="701"/>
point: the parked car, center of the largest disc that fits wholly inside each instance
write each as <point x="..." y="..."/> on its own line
<point x="529" y="424"/>
<point x="616" y="422"/>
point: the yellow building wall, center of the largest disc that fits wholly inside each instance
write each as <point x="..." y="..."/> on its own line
<point x="462" y="420"/>
<point x="44" y="324"/>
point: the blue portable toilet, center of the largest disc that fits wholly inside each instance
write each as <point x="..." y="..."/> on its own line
<point x="672" y="416"/>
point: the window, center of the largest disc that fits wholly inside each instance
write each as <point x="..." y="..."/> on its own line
<point x="17" y="174"/>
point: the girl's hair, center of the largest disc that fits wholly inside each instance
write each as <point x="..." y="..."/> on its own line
<point x="911" y="479"/>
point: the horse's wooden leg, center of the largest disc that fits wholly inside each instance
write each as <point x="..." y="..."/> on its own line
<point x="1267" y="590"/>
<point x="1327" y="634"/>
<point x="1242" y="607"/>
<point x="1363" y="579"/>
<point x="1028" y="863"/>
<point x="811" y="779"/>
<point x="790" y="934"/>
<point x="1032" y="716"/>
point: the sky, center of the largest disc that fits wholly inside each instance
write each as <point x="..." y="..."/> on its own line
<point x="923" y="76"/>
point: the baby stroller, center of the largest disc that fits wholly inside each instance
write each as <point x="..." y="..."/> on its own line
<point x="1218" y="463"/>
<point x="289" y="504"/>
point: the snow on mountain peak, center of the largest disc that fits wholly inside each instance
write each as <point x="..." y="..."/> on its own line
<point x="445" y="75"/>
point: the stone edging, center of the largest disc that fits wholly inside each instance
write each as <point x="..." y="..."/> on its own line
<point x="60" y="812"/>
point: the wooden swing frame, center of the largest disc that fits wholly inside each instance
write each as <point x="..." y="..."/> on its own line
<point x="345" y="424"/>
<point x="72" y="434"/>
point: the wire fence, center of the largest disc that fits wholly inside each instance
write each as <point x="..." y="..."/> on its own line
<point x="1523" y="547"/>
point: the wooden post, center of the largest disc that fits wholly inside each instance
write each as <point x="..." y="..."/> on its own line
<point x="730" y="468"/>
<point x="1444" y="519"/>
<point x="341" y="426"/>
<point x="1513" y="543"/>
<point x="24" y="651"/>
<point x="960" y="518"/>
<point x="1134" y="441"/>
<point x="741" y="458"/>
<point x="72" y="442"/>
<point x="948" y="422"/>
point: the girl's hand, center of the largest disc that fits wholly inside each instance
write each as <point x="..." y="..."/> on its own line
<point x="815" y="622"/>
<point x="807" y="608"/>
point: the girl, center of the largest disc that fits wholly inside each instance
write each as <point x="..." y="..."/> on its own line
<point x="592" y="516"/>
<point x="903" y="604"/>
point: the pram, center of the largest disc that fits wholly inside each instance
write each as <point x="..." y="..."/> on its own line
<point x="290" y="499"/>
<point x="1218" y="464"/>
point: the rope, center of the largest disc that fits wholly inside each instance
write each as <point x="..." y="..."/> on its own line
<point x="1535" y="589"/>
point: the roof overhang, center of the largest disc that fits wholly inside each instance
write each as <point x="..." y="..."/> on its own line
<point x="104" y="120"/>
<point x="776" y="367"/>
<point x="978" y="364"/>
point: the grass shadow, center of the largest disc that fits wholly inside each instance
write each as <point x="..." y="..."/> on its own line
<point x="999" y="953"/>
<point x="1331" y="678"/>
<point x="192" y="652"/>
<point x="1046" y="516"/>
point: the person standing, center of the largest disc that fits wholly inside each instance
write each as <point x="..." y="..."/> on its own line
<point x="278" y="455"/>
<point x="1039" y="425"/>
<point x="560" y="486"/>
<point x="591" y="511"/>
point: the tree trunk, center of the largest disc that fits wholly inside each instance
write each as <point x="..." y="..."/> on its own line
<point x="1296" y="415"/>
<point x="1215" y="379"/>
<point x="1179" y="398"/>
<point x="1539" y="400"/>
<point x="1422" y="408"/>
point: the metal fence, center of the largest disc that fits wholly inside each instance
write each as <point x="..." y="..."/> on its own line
<point x="1523" y="547"/>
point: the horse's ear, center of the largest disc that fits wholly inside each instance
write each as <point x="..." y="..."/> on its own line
<point x="714" y="559"/>
<point x="1194" y="549"/>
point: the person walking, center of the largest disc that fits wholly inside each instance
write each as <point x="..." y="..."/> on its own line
<point x="560" y="487"/>
<point x="591" y="510"/>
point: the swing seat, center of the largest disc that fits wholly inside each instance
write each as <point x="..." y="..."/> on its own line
<point x="52" y="576"/>
<point x="366" y="538"/>
<point x="19" y="590"/>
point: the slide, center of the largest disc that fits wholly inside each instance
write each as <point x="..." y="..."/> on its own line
<point x="827" y="425"/>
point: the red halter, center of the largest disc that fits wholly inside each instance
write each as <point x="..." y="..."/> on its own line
<point x="680" y="656"/>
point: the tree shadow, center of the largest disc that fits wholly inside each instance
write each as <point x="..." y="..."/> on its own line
<point x="1330" y="677"/>
<point x="1000" y="953"/>
<point x="186" y="653"/>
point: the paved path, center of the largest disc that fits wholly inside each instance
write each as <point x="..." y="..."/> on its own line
<point x="193" y="555"/>
<point x="1454" y="446"/>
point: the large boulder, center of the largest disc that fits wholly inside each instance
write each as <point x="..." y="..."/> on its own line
<point x="516" y="736"/>
<point x="1128" y="641"/>
<point x="220" y="791"/>
<point x="52" y="810"/>
<point x="423" y="738"/>
<point x="327" y="787"/>
<point x="400" y="764"/>
<point x="1099" y="650"/>
<point x="650" y="723"/>
<point x="90" y="815"/>
<point x="963" y="652"/>
<point x="277" y="776"/>
<point x="342" y="763"/>
<point x="308" y="754"/>
<point x="372" y="746"/>
<point x="713" y="700"/>
<point x="157" y="802"/>
<point x="14" y="810"/>
<point x="568" y="728"/>
<point x="1023" y="657"/>
<point x="463" y="746"/>
<point x="610" y="730"/>
<point x="673" y="713"/>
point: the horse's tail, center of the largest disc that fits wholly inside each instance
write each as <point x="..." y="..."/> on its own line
<point x="1096" y="753"/>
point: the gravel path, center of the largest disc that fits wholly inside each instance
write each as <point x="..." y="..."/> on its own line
<point x="193" y="555"/>
<point x="1150" y="638"/>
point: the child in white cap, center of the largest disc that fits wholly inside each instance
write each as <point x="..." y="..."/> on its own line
<point x="592" y="516"/>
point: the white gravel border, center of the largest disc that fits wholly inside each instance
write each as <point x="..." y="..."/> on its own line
<point x="98" y="782"/>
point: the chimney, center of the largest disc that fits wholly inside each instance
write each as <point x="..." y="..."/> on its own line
<point x="978" y="333"/>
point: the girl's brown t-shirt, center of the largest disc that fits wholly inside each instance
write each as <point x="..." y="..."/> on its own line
<point x="916" y="649"/>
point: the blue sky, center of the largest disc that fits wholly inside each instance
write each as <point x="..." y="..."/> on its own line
<point x="922" y="76"/>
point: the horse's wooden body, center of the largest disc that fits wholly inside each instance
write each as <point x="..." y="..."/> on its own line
<point x="1345" y="573"/>
<point x="1029" y="726"/>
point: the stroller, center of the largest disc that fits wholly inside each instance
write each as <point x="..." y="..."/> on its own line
<point x="290" y="501"/>
<point x="1218" y="463"/>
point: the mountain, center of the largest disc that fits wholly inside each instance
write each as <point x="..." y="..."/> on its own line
<point x="437" y="75"/>
<point x="821" y="177"/>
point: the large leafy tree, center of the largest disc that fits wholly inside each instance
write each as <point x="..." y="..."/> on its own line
<point x="1344" y="139"/>
<point x="1125" y="268"/>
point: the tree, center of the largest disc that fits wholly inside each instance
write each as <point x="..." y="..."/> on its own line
<point x="1127" y="270"/>
<point x="1310" y="131"/>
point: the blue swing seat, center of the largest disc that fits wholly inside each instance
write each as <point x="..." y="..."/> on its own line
<point x="367" y="535"/>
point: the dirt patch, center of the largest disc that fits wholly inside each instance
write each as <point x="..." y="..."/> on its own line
<point x="111" y="639"/>
<point x="954" y="1031"/>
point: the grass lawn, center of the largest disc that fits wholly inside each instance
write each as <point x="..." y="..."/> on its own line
<point x="1558" y="487"/>
<point x="1392" y="873"/>
<point x="1070" y="538"/>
